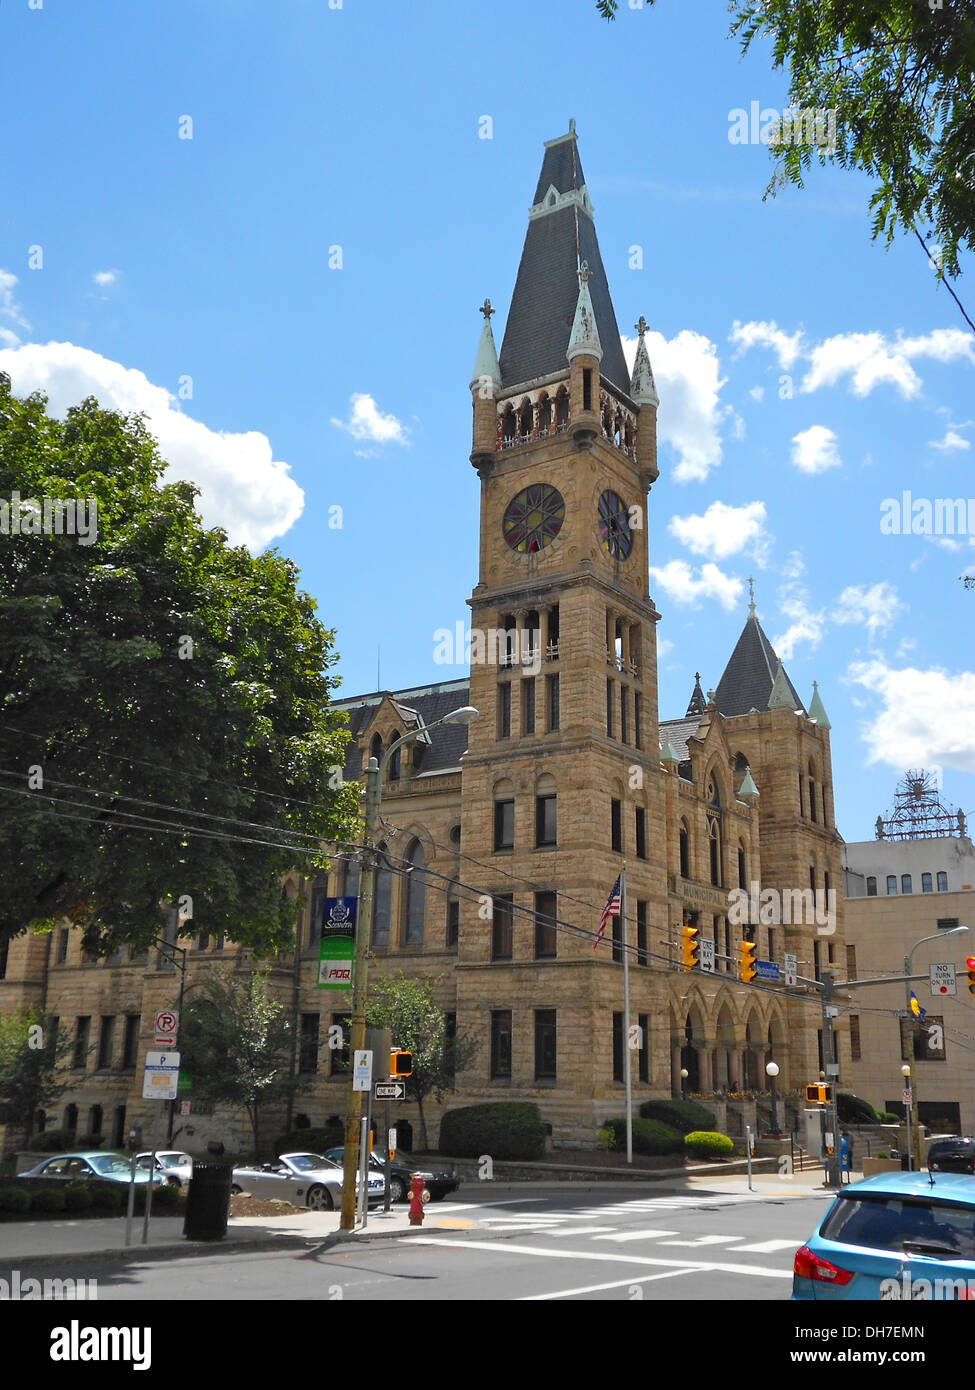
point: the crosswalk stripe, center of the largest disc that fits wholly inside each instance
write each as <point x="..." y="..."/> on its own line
<point x="769" y="1247"/>
<point x="703" y="1240"/>
<point x="641" y="1235"/>
<point x="580" y="1231"/>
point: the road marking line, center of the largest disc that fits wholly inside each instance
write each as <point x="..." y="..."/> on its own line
<point x="643" y="1235"/>
<point x="703" y="1240"/>
<point x="707" y="1266"/>
<point x="581" y="1231"/>
<point x="598" y="1288"/>
<point x="769" y="1247"/>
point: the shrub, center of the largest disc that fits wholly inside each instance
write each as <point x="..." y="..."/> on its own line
<point x="886" y="1118"/>
<point x="854" y="1110"/>
<point x="109" y="1197"/>
<point x="52" y="1141"/>
<point x="650" y="1137"/>
<point x="167" y="1199"/>
<point x="307" y="1140"/>
<point x="682" y="1115"/>
<point x="89" y="1141"/>
<point x="47" y="1199"/>
<point x="14" y="1201"/>
<point x="707" y="1144"/>
<point x="504" y="1129"/>
<point x="76" y="1197"/>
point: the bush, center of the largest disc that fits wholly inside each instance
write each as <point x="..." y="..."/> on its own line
<point x="682" y="1115"/>
<point x="650" y="1137"/>
<point x="47" y="1199"/>
<point x="52" y="1141"/>
<point x="89" y="1141"/>
<point x="707" y="1144"/>
<point x="76" y="1197"/>
<point x="854" y="1110"/>
<point x="504" y="1129"/>
<point x="306" y="1140"/>
<point x="167" y="1199"/>
<point x="14" y="1201"/>
<point x="109" y="1197"/>
<point x="886" y="1118"/>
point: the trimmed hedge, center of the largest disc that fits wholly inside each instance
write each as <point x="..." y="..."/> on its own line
<point x="47" y="1199"/>
<point x="650" y="1137"/>
<point x="854" y="1110"/>
<point x="54" y="1141"/>
<point x="76" y="1197"/>
<point x="505" y="1129"/>
<point x="708" y="1144"/>
<point x="14" y="1201"/>
<point x="682" y="1115"/>
<point x="307" y="1140"/>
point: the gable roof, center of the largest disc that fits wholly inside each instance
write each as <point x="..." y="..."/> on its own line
<point x="750" y="674"/>
<point x="426" y="702"/>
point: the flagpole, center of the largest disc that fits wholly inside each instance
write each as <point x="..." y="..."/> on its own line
<point x="626" y="1022"/>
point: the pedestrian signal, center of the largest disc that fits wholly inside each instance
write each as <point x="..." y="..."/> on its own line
<point x="819" y="1093"/>
<point x="400" y="1062"/>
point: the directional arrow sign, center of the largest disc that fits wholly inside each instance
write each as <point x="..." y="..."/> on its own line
<point x="389" y="1090"/>
<point x="707" y="955"/>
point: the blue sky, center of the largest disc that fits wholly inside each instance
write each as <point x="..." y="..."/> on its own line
<point x="292" y="295"/>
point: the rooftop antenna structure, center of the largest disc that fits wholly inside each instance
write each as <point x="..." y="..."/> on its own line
<point x="918" y="812"/>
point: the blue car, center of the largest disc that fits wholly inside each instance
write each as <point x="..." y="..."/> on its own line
<point x="893" y="1236"/>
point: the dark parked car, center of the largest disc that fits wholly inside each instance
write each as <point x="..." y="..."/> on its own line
<point x="952" y="1156"/>
<point x="438" y="1184"/>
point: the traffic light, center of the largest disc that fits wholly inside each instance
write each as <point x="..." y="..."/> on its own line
<point x="970" y="967"/>
<point x="747" y="952"/>
<point x="819" y="1093"/>
<point x="400" y="1062"/>
<point x="690" y="947"/>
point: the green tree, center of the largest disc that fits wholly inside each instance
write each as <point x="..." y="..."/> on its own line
<point x="165" y="730"/>
<point x="900" y="74"/>
<point x="407" y="1006"/>
<point x="236" y="1044"/>
<point x="30" y="1053"/>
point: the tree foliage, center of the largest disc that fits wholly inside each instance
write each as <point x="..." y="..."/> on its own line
<point x="407" y="1006"/>
<point x="236" y="1044"/>
<point x="165" y="729"/>
<point x="30" y="1052"/>
<point x="900" y="74"/>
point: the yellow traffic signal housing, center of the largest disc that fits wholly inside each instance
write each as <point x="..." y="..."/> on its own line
<point x="690" y="947"/>
<point x="970" y="967"/>
<point x="819" y="1093"/>
<point x="747" y="954"/>
<point x="400" y="1062"/>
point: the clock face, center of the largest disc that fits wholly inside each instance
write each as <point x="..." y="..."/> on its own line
<point x="534" y="518"/>
<point x="614" y="525"/>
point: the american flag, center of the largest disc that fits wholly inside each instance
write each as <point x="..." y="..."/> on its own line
<point x="612" y="909"/>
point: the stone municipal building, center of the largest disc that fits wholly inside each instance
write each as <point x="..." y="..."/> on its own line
<point x="502" y="841"/>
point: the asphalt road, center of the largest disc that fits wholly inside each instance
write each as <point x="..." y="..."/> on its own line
<point x="549" y="1245"/>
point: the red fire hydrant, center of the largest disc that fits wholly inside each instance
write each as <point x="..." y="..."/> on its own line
<point x="417" y="1194"/>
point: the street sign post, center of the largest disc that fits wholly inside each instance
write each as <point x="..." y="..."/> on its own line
<point x="166" y="1028"/>
<point x="943" y="979"/>
<point x="791" y="968"/>
<point x="706" y="957"/>
<point x="766" y="970"/>
<point x="362" y="1071"/>
<point x="160" y="1080"/>
<point x="336" y="949"/>
<point x="390" y="1090"/>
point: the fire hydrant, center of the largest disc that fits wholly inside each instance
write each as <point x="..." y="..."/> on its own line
<point x="417" y="1195"/>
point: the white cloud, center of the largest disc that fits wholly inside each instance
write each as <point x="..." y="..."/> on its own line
<point x="9" y="308"/>
<point x="814" y="450"/>
<point x="686" y="372"/>
<point x="874" y="608"/>
<point x="757" y="392"/>
<point x="366" y="421"/>
<point x="679" y="582"/>
<point x="664" y="647"/>
<point x="952" y="440"/>
<point x="786" y="346"/>
<point x="243" y="488"/>
<point x="723" y="530"/>
<point x="8" y="338"/>
<point x="806" y="624"/>
<point x="105" y="277"/>
<point x="926" y="716"/>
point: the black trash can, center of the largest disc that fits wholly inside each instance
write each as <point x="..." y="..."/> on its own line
<point x="208" y="1201"/>
<point x="905" y="1163"/>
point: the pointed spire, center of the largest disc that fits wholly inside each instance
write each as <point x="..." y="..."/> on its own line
<point x="817" y="710"/>
<point x="667" y="754"/>
<point x="748" y="788"/>
<point x="697" y="702"/>
<point x="486" y="366"/>
<point x="584" y="338"/>
<point x="781" y="696"/>
<point x="751" y="597"/>
<point x="643" y="390"/>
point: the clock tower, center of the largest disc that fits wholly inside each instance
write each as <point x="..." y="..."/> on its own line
<point x="562" y="780"/>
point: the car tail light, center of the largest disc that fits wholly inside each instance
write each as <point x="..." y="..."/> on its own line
<point x="809" y="1266"/>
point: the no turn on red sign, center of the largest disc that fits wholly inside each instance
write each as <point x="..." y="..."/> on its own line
<point x="943" y="979"/>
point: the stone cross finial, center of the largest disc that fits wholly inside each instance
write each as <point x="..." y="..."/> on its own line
<point x="486" y="309"/>
<point x="642" y="327"/>
<point x="585" y="274"/>
<point x="751" y="597"/>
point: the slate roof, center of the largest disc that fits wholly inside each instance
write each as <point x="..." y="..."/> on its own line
<point x="750" y="674"/>
<point x="543" y="305"/>
<point x="430" y="702"/>
<point x="679" y="731"/>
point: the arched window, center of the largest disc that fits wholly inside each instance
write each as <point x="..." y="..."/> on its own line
<point x="393" y="766"/>
<point x="376" y="747"/>
<point x="382" y="902"/>
<point x="561" y="408"/>
<point x="71" y="1118"/>
<point x="526" y="420"/>
<point x="871" y="887"/>
<point x="742" y="866"/>
<point x="618" y="429"/>
<point x="455" y="836"/>
<point x="504" y="815"/>
<point x="812" y="792"/>
<point x="416" y="895"/>
<point x="95" y="1120"/>
<point x="509" y="428"/>
<point x="546" y="824"/>
<point x="685" y="851"/>
<point x="545" y="414"/>
<point x="714" y="845"/>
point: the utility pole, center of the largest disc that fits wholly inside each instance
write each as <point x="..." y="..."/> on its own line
<point x="832" y="1076"/>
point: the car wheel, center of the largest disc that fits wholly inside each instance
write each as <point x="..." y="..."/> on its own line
<point x="235" y="1191"/>
<point x="174" y="1182"/>
<point x="319" y="1198"/>
<point x="397" y="1190"/>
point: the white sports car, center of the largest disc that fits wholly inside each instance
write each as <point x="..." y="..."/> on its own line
<point x="304" y="1179"/>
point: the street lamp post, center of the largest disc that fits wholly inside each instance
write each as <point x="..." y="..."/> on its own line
<point x="914" y="1154"/>
<point x="684" y="1074"/>
<point x="772" y="1071"/>
<point x="353" y="1112"/>
<point x="906" y="1074"/>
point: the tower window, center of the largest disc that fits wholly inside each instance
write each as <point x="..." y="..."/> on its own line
<point x="544" y="415"/>
<point x="552" y="650"/>
<point x="453" y="922"/>
<point x="502" y="927"/>
<point x="643" y="1056"/>
<point x="637" y="719"/>
<point x="546" y="932"/>
<point x="685" y="851"/>
<point x="616" y="825"/>
<point x="552" y="693"/>
<point x="561" y="409"/>
<point x="500" y="1044"/>
<point x="624" y="694"/>
<point x="504" y="709"/>
<point x="416" y="895"/>
<point x="528" y="706"/>
<point x="545" y="820"/>
<point x="609" y="707"/>
<point x="504" y="825"/>
<point x="587" y="388"/>
<point x="525" y="420"/>
<point x="641" y="833"/>
<point x="642" y="957"/>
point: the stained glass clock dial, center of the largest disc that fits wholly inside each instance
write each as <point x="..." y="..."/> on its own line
<point x="533" y="518"/>
<point x="614" y="525"/>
